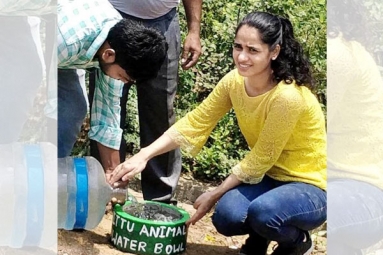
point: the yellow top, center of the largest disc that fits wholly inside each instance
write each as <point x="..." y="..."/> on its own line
<point x="285" y="129"/>
<point x="355" y="113"/>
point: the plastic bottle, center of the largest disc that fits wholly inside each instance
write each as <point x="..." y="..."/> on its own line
<point x="28" y="195"/>
<point x="82" y="193"/>
<point x="33" y="205"/>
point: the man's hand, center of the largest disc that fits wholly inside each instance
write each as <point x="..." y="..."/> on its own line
<point x="192" y="44"/>
<point x="110" y="158"/>
<point x="191" y="51"/>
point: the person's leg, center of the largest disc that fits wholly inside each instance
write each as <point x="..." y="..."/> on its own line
<point x="21" y="75"/>
<point x="355" y="216"/>
<point x="156" y="115"/>
<point x="71" y="110"/>
<point x="123" y="124"/>
<point x="91" y="88"/>
<point x="230" y="216"/>
<point x="286" y="213"/>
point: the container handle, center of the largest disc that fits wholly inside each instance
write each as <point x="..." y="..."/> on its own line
<point x="81" y="171"/>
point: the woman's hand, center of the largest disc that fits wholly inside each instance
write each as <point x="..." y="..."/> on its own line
<point x="117" y="184"/>
<point x="203" y="204"/>
<point x="136" y="164"/>
<point x="127" y="170"/>
<point x="207" y="200"/>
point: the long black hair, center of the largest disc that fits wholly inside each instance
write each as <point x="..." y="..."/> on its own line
<point x="351" y="18"/>
<point x="291" y="63"/>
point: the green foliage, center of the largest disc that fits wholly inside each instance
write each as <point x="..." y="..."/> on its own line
<point x="226" y="146"/>
<point x="375" y="28"/>
<point x="223" y="149"/>
<point x="131" y="129"/>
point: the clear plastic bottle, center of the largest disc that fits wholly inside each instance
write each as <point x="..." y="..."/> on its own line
<point x="28" y="196"/>
<point x="82" y="193"/>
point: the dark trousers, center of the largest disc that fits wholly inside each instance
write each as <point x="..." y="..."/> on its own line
<point x="156" y="114"/>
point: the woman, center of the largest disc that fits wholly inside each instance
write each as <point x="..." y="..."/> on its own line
<point x="355" y="136"/>
<point x="277" y="190"/>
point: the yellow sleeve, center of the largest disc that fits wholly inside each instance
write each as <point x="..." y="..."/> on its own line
<point x="343" y="73"/>
<point x="192" y="131"/>
<point x="284" y="112"/>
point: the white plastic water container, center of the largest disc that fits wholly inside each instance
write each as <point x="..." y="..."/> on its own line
<point x="28" y="195"/>
<point x="82" y="193"/>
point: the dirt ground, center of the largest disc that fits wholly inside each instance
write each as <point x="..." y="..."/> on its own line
<point x="202" y="239"/>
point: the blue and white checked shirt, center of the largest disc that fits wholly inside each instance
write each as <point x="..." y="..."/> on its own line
<point x="27" y="7"/>
<point x="83" y="26"/>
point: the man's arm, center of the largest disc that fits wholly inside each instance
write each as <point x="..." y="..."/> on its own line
<point x="110" y="158"/>
<point x="105" y="120"/>
<point x="192" y="44"/>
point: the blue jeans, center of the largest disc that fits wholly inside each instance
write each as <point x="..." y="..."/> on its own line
<point x="355" y="216"/>
<point x="71" y="111"/>
<point x="272" y="210"/>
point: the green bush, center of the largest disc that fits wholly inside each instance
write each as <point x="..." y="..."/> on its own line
<point x="375" y="29"/>
<point x="131" y="129"/>
<point x="226" y="146"/>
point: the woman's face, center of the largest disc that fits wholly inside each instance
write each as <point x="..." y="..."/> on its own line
<point x="251" y="56"/>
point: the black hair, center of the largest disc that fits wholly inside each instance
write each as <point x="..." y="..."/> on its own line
<point x="140" y="50"/>
<point x="349" y="17"/>
<point x="291" y="63"/>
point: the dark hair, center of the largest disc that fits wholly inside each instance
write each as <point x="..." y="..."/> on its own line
<point x="291" y="63"/>
<point x="349" y="17"/>
<point x="140" y="50"/>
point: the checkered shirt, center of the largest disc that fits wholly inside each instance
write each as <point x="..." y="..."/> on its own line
<point x="26" y="7"/>
<point x="83" y="26"/>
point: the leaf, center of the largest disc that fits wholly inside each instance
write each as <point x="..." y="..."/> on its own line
<point x="210" y="238"/>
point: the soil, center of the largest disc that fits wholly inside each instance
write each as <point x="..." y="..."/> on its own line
<point x="202" y="237"/>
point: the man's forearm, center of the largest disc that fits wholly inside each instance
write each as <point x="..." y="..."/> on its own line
<point x="110" y="158"/>
<point x="193" y="10"/>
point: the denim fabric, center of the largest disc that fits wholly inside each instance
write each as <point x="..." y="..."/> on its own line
<point x="156" y="113"/>
<point x="72" y="109"/>
<point x="355" y="216"/>
<point x="275" y="210"/>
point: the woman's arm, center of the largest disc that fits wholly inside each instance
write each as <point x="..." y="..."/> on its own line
<point x="207" y="200"/>
<point x="191" y="131"/>
<point x="137" y="163"/>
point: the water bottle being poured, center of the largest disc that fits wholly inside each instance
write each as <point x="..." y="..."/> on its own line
<point x="83" y="193"/>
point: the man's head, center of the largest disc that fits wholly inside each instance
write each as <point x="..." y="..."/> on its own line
<point x="132" y="51"/>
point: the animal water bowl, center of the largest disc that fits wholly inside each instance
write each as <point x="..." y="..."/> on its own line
<point x="136" y="231"/>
